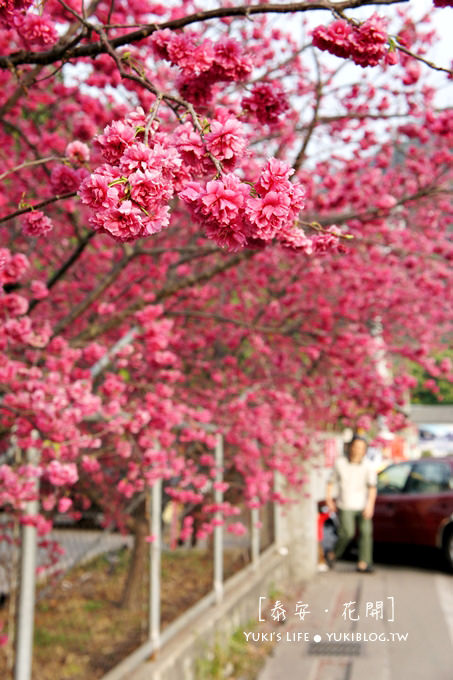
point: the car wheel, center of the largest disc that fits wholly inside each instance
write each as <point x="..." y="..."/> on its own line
<point x="448" y="548"/>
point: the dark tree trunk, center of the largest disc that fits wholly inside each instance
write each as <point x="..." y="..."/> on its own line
<point x="132" y="597"/>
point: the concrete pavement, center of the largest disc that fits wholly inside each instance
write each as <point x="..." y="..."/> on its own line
<point x="335" y="642"/>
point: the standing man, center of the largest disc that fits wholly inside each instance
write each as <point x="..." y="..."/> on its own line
<point x="355" y="479"/>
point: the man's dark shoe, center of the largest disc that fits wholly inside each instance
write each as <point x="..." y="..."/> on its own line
<point x="367" y="570"/>
<point x="331" y="559"/>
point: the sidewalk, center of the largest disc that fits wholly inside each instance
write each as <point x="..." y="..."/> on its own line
<point x="333" y="646"/>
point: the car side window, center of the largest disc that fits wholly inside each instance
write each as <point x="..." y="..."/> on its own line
<point x="393" y="479"/>
<point x="429" y="477"/>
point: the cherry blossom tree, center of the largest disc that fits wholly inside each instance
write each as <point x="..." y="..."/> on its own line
<point x="204" y="214"/>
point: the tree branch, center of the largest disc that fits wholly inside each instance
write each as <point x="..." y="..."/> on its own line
<point x="61" y="271"/>
<point x="61" y="52"/>
<point x="341" y="218"/>
<point x="28" y="164"/>
<point x="37" y="206"/>
<point x="79" y="309"/>
<point x="431" y="64"/>
<point x="311" y="127"/>
<point x="115" y="321"/>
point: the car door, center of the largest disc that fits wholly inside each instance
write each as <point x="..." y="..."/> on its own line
<point x="429" y="500"/>
<point x="387" y="521"/>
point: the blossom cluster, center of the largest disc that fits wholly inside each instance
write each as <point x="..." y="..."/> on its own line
<point x="365" y="43"/>
<point x="233" y="213"/>
<point x="192" y="150"/>
<point x="18" y="485"/>
<point x="12" y="305"/>
<point x="77" y="152"/>
<point x="224" y="139"/>
<point x="11" y="11"/>
<point x="64" y="179"/>
<point x="12" y="266"/>
<point x="266" y="102"/>
<point x="14" y="326"/>
<point x="224" y="60"/>
<point x="37" y="31"/>
<point x="105" y="435"/>
<point x="202" y="63"/>
<point x="131" y="191"/>
<point x="35" y="223"/>
<point x="295" y="238"/>
<point x="41" y="524"/>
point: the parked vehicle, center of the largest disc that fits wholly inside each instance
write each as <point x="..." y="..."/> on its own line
<point x="415" y="504"/>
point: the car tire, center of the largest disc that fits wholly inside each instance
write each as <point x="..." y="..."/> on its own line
<point x="448" y="547"/>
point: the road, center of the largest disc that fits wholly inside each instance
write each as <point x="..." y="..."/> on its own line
<point x="336" y="642"/>
<point x="78" y="545"/>
<point x="82" y="545"/>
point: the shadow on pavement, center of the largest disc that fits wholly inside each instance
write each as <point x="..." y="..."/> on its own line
<point x="401" y="555"/>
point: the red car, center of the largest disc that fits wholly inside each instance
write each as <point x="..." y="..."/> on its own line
<point x="415" y="504"/>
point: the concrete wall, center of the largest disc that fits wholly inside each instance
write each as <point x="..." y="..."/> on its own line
<point x="178" y="659"/>
<point x="299" y="533"/>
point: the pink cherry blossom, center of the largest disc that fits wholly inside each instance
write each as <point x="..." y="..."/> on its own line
<point x="37" y="32"/>
<point x="78" y="152"/>
<point x="226" y="140"/>
<point x="64" y="179"/>
<point x="11" y="11"/>
<point x="64" y="504"/>
<point x="267" y="102"/>
<point x="224" y="199"/>
<point x="335" y="38"/>
<point x="275" y="176"/>
<point x="365" y="44"/>
<point x="99" y="191"/>
<point x="115" y="140"/>
<point x="237" y="528"/>
<point x="12" y="267"/>
<point x="35" y="223"/>
<point x="62" y="474"/>
<point x="268" y="214"/>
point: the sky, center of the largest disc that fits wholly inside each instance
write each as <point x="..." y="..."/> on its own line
<point x="441" y="53"/>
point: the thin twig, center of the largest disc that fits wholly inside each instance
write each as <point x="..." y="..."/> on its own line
<point x="418" y="57"/>
<point x="37" y="206"/>
<point x="152" y="117"/>
<point x="311" y="127"/>
<point x="27" y="164"/>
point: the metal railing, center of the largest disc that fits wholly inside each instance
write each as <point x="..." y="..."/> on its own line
<point x="156" y="637"/>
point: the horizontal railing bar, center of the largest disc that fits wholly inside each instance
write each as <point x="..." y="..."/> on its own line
<point x="186" y="617"/>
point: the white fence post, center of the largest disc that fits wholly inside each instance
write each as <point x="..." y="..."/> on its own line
<point x="27" y="584"/>
<point x="155" y="564"/>
<point x="218" y="529"/>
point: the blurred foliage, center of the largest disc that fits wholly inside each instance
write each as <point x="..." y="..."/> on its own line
<point x="442" y="393"/>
